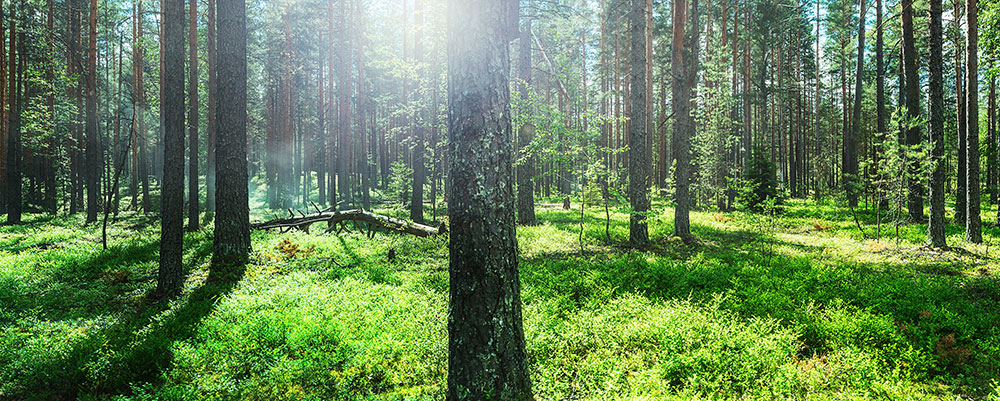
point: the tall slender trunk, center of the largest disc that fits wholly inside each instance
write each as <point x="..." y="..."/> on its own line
<point x="973" y="225"/>
<point x="960" y="193"/>
<point x="915" y="197"/>
<point x="14" y="145"/>
<point x="212" y="102"/>
<point x="364" y="162"/>
<point x="851" y="164"/>
<point x="95" y="158"/>
<point x="171" y="271"/>
<point x="525" y="134"/>
<point x="344" y="108"/>
<point x="192" y="120"/>
<point x="685" y="71"/>
<point x="419" y="123"/>
<point x="936" y="223"/>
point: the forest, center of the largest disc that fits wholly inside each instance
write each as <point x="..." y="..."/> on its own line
<point x="499" y="200"/>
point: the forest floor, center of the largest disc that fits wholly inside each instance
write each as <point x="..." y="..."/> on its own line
<point x="796" y="307"/>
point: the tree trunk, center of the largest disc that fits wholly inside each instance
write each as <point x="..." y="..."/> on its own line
<point x="419" y="124"/>
<point x="344" y="109"/>
<point x="212" y="101"/>
<point x="684" y="64"/>
<point x="363" y="109"/>
<point x="486" y="358"/>
<point x="960" y="192"/>
<point x="231" y="246"/>
<point x="973" y="227"/>
<point x="192" y="122"/>
<point x="525" y="134"/>
<point x="936" y="224"/>
<point x="14" y="145"/>
<point x="171" y="272"/>
<point x="851" y="164"/>
<point x="95" y="158"/>
<point x="915" y="197"/>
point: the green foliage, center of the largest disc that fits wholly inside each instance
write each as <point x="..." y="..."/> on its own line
<point x="820" y="314"/>
<point x="760" y="182"/>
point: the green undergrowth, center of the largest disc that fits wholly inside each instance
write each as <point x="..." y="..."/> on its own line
<point x="801" y="306"/>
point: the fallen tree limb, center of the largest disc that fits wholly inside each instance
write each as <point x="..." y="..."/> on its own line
<point x="336" y="221"/>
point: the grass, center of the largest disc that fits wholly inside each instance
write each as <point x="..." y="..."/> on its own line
<point x="801" y="307"/>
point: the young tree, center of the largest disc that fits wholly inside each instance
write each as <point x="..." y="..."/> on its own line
<point x="172" y="108"/>
<point x="936" y="224"/>
<point x="192" y="120"/>
<point x="486" y="354"/>
<point x="973" y="225"/>
<point x="231" y="246"/>
<point x="915" y="198"/>
<point x="684" y="64"/>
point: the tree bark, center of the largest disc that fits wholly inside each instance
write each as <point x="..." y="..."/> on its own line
<point x="486" y="354"/>
<point x="213" y="89"/>
<point x="973" y="225"/>
<point x="915" y="198"/>
<point x="171" y="271"/>
<point x="14" y="155"/>
<point x="936" y="224"/>
<point x="231" y="246"/>
<point x="95" y="157"/>
<point x="192" y="120"/>
<point x="419" y="124"/>
<point x="960" y="193"/>
<point x="525" y="134"/>
<point x="851" y="164"/>
<point x="684" y="64"/>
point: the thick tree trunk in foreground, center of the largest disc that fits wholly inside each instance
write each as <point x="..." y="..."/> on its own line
<point x="231" y="247"/>
<point x="915" y="197"/>
<point x="638" y="153"/>
<point x="936" y="224"/>
<point x="973" y="225"/>
<point x="486" y="355"/>
<point x="526" y="169"/>
<point x="192" y="122"/>
<point x="172" y="108"/>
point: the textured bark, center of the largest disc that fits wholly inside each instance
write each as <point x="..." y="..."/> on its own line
<point x="95" y="157"/>
<point x="4" y="101"/>
<point x="880" y="114"/>
<point x="14" y="155"/>
<point x="212" y="101"/>
<point x="915" y="197"/>
<point x="973" y="225"/>
<point x="960" y="192"/>
<point x="192" y="120"/>
<point x="684" y="64"/>
<point x="344" y="109"/>
<point x="231" y="246"/>
<point x="486" y="355"/>
<point x="50" y="204"/>
<point x="936" y="224"/>
<point x="419" y="125"/>
<point x="526" y="169"/>
<point x="171" y="271"/>
<point x="638" y="153"/>
<point x="851" y="164"/>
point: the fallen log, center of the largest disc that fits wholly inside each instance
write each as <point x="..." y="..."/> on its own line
<point x="337" y="219"/>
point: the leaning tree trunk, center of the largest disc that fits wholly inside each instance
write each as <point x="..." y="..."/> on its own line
<point x="486" y="354"/>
